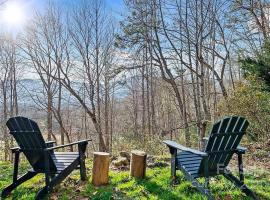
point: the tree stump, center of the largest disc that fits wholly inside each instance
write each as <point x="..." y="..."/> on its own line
<point x="100" y="172"/>
<point x="138" y="164"/>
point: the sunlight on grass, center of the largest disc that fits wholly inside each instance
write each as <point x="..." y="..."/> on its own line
<point x="155" y="186"/>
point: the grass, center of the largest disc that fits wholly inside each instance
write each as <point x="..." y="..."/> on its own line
<point x="155" y="186"/>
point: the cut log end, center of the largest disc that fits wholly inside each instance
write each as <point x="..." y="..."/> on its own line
<point x="138" y="164"/>
<point x="138" y="153"/>
<point x="100" y="173"/>
<point x="101" y="153"/>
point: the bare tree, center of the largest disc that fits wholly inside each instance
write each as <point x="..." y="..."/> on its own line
<point x="185" y="39"/>
<point x="88" y="60"/>
<point x="43" y="49"/>
<point x="249" y="20"/>
<point x="9" y="68"/>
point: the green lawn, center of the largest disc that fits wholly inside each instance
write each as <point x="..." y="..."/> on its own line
<point x="155" y="186"/>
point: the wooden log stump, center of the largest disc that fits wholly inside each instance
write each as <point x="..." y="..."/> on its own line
<point x="100" y="172"/>
<point x="138" y="164"/>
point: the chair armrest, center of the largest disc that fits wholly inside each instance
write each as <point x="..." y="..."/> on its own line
<point x="204" y="142"/>
<point x="66" y="145"/>
<point x="240" y="150"/>
<point x="205" y="139"/>
<point x="15" y="149"/>
<point x="172" y="144"/>
<point x="50" y="144"/>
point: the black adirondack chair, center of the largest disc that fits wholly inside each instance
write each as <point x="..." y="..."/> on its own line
<point x="223" y="142"/>
<point x="55" y="165"/>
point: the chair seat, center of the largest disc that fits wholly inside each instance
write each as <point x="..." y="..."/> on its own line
<point x="190" y="162"/>
<point x="64" y="159"/>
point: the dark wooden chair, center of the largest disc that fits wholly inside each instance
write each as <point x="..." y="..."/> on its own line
<point x="223" y="142"/>
<point x="55" y="165"/>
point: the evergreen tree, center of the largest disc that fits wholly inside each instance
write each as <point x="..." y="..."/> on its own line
<point x="259" y="66"/>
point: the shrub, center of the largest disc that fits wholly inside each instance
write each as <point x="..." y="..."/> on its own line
<point x="252" y="101"/>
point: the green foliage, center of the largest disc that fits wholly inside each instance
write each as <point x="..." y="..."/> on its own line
<point x="156" y="186"/>
<point x="152" y="144"/>
<point x="250" y="100"/>
<point x="259" y="66"/>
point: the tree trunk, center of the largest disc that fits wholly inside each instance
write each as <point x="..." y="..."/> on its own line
<point x="106" y="114"/>
<point x="100" y="172"/>
<point x="5" y="115"/>
<point x="49" y="115"/>
<point x="138" y="164"/>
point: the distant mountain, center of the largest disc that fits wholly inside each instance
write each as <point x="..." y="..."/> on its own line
<point x="30" y="90"/>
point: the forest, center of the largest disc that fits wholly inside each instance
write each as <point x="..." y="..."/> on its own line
<point x="129" y="74"/>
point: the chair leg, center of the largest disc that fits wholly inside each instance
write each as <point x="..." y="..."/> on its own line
<point x="42" y="193"/>
<point x="240" y="184"/>
<point x="240" y="168"/>
<point x="202" y="189"/>
<point x="82" y="162"/>
<point x="56" y="180"/>
<point x="19" y="181"/>
<point x="173" y="166"/>
<point x="206" y="173"/>
<point x="48" y="187"/>
<point x="16" y="165"/>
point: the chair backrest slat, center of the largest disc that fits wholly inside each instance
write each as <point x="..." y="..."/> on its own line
<point x="224" y="138"/>
<point x="29" y="138"/>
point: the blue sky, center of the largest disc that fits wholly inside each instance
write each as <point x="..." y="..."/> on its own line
<point x="116" y="5"/>
<point x="30" y="6"/>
